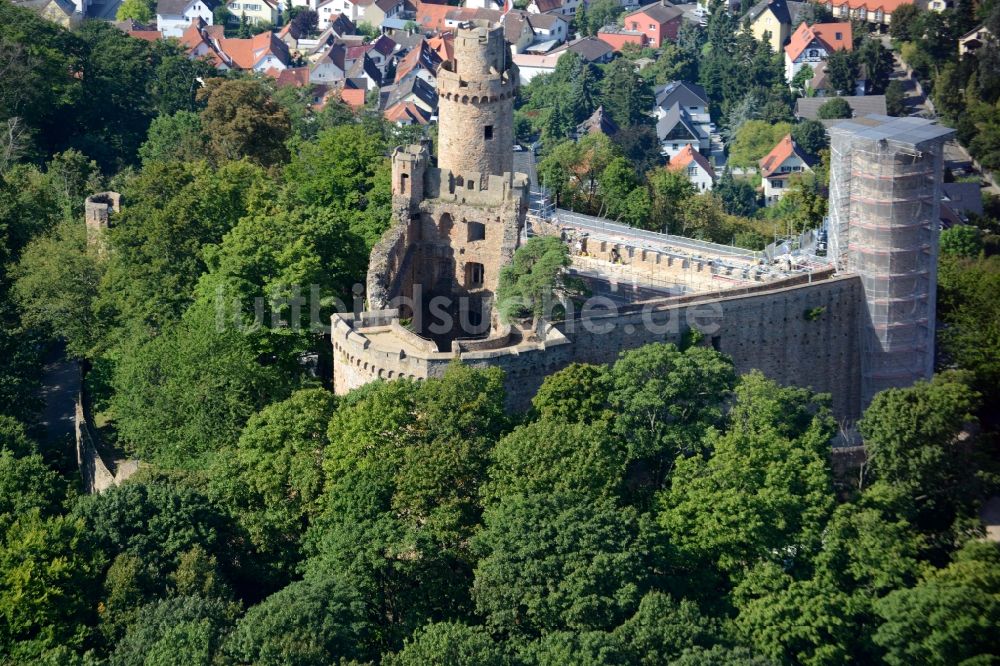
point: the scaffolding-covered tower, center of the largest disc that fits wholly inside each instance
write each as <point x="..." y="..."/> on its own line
<point x="885" y="193"/>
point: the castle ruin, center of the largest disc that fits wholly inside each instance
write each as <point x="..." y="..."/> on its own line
<point x="456" y="224"/>
<point x="850" y="324"/>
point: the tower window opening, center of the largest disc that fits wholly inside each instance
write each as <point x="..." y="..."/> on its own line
<point x="474" y="274"/>
<point x="477" y="231"/>
<point x="403" y="182"/>
<point x="488" y="132"/>
<point x="471" y="184"/>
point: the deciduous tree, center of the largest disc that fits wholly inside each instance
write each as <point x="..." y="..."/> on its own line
<point x="241" y="119"/>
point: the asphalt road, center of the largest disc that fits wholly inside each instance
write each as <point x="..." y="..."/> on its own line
<point x="60" y="385"/>
<point x="955" y="155"/>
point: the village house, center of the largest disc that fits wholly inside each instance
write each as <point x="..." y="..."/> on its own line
<point x="820" y="85"/>
<point x="546" y="28"/>
<point x="590" y="49"/>
<point x="131" y="25"/>
<point x="695" y="166"/>
<point x="363" y="71"/>
<point x="812" y="45"/>
<point x="202" y="42"/>
<point x="422" y="61"/>
<point x="411" y="91"/>
<point x="429" y="16"/>
<point x="406" y="113"/>
<point x="173" y="17"/>
<point x="676" y="129"/>
<point x="66" y="13"/>
<point x="617" y="37"/>
<point x="690" y="96"/>
<point x="658" y="22"/>
<point x="381" y="50"/>
<point x="373" y="12"/>
<point x="530" y="65"/>
<point x="878" y="12"/>
<point x="772" y="19"/>
<point x="599" y="122"/>
<point x="484" y="4"/>
<point x="518" y="33"/>
<point x="255" y="11"/>
<point x="971" y="41"/>
<point x="777" y="168"/>
<point x="561" y="7"/>
<point x="523" y="31"/>
<point x="330" y="67"/>
<point x="258" y="53"/>
<point x="330" y="19"/>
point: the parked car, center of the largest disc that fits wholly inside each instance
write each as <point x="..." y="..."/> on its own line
<point x="518" y="148"/>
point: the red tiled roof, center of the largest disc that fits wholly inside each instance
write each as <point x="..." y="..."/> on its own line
<point x="409" y="61"/>
<point x="148" y="35"/>
<point x="548" y="5"/>
<point x="245" y="53"/>
<point x="353" y="97"/>
<point x="296" y="77"/>
<point x="356" y="51"/>
<point x="197" y="35"/>
<point x="786" y="148"/>
<point x="887" y="6"/>
<point x="406" y="112"/>
<point x="430" y="15"/>
<point x="473" y="14"/>
<point x="421" y="55"/>
<point x="826" y="33"/>
<point x="444" y="45"/>
<point x="687" y="155"/>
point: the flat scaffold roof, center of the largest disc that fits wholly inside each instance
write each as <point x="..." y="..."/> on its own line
<point x="909" y="131"/>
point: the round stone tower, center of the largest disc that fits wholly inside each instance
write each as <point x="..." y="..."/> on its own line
<point x="476" y="103"/>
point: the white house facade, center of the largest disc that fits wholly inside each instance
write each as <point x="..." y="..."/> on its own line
<point x="173" y="17"/>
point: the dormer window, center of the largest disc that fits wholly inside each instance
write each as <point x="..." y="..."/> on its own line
<point x="838" y="36"/>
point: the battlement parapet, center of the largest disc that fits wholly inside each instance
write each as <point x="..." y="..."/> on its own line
<point x="473" y="188"/>
<point x="375" y="345"/>
<point x="454" y="87"/>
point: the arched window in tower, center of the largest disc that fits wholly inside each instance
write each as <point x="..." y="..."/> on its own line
<point x="404" y="181"/>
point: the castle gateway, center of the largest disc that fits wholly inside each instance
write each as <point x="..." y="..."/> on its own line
<point x="850" y="323"/>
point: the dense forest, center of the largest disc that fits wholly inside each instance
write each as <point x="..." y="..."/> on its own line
<point x="658" y="510"/>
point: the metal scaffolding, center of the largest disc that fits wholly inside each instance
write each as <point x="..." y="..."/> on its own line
<point x="885" y="193"/>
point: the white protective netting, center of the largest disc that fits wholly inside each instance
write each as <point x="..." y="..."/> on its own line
<point x="884" y="206"/>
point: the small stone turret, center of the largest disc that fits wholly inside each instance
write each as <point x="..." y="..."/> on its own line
<point x="98" y="210"/>
<point x="409" y="166"/>
<point x="476" y="103"/>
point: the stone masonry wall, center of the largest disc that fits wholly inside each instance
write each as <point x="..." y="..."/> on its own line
<point x="802" y="335"/>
